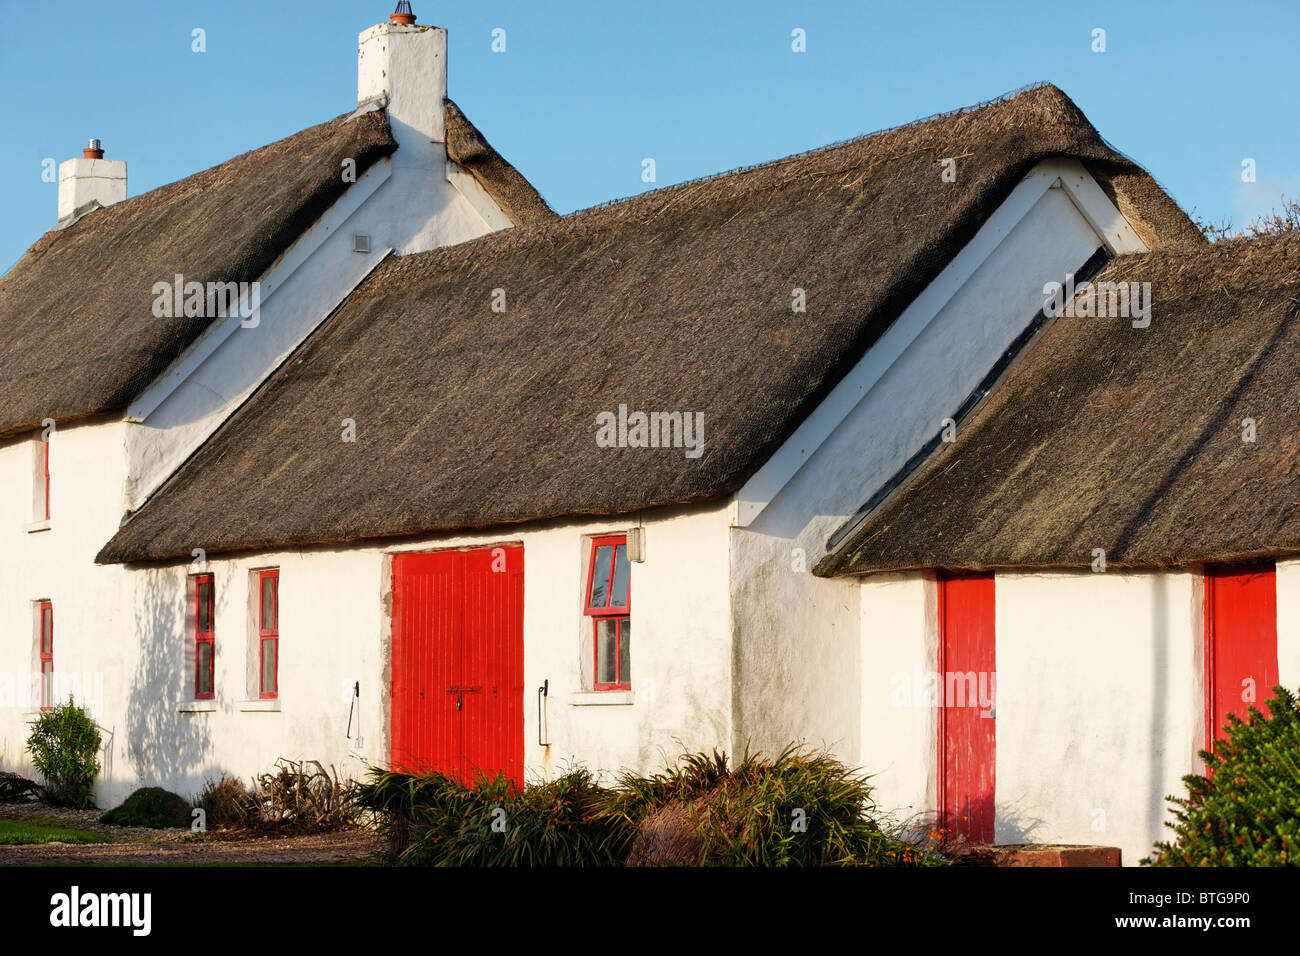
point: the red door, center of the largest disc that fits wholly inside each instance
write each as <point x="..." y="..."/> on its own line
<point x="458" y="662"/>
<point x="1240" y="643"/>
<point x="967" y="706"/>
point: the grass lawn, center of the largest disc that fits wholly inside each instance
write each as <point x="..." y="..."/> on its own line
<point x="44" y="831"/>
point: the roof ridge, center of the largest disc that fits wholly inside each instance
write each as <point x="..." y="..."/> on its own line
<point x="660" y="200"/>
<point x="999" y="100"/>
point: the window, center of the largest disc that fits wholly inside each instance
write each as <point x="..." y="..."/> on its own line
<point x="45" y="468"/>
<point x="204" y="636"/>
<point x="45" y="627"/>
<point x="607" y="602"/>
<point x="40" y="482"/>
<point x="268" y="632"/>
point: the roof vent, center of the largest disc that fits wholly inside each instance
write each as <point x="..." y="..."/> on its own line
<point x="94" y="150"/>
<point x="403" y="13"/>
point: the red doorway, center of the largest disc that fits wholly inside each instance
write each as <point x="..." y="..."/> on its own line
<point x="458" y="662"/>
<point x="1240" y="643"/>
<point x="967" y="758"/>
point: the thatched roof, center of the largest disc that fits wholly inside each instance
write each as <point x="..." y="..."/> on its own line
<point x="675" y="300"/>
<point x="467" y="147"/>
<point x="77" y="332"/>
<point x="1121" y="438"/>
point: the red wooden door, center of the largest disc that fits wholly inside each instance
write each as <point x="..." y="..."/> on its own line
<point x="1241" y="643"/>
<point x="458" y="662"/>
<point x="492" y="663"/>
<point x="967" y="706"/>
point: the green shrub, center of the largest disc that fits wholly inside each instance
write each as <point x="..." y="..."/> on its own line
<point x="1246" y="812"/>
<point x="434" y="820"/>
<point x="796" y="809"/>
<point x="150" y="807"/>
<point x="64" y="742"/>
<point x="226" y="802"/>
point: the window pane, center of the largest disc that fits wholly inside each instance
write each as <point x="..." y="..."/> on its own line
<point x="268" y="603"/>
<point x="605" y="632"/>
<point x="625" y="651"/>
<point x="205" y="668"/>
<point x="205" y="606"/>
<point x="47" y="684"/>
<point x="621" y="574"/>
<point x="600" y="577"/>
<point x="268" y="666"/>
<point x="47" y="630"/>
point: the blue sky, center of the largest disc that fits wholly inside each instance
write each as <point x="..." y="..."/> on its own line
<point x="585" y="91"/>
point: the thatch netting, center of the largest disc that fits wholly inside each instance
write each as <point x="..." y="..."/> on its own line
<point x="675" y="300"/>
<point x="1126" y="439"/>
<point x="77" y="330"/>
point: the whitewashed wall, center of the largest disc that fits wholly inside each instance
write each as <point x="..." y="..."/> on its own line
<point x="1288" y="624"/>
<point x="1100" y="705"/>
<point x="898" y="726"/>
<point x="94" y="654"/>
<point x="131" y="626"/>
<point x="1100" y="709"/>
<point x="801" y="677"/>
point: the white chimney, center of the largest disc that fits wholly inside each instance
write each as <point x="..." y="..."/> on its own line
<point x="407" y="64"/>
<point x="402" y="69"/>
<point x="91" y="178"/>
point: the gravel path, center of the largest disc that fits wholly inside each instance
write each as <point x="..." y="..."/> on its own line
<point x="142" y="845"/>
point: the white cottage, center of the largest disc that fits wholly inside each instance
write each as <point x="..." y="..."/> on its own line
<point x="750" y="460"/>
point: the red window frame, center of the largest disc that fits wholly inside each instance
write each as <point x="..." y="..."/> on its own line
<point x="208" y="637"/>
<point x="268" y="634"/>
<point x="619" y="615"/>
<point x="45" y="611"/>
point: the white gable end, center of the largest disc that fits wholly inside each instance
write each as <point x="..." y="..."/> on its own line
<point x="937" y="352"/>
<point x="809" y="659"/>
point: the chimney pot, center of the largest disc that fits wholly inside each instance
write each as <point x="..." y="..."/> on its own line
<point x="90" y="178"/>
<point x="403" y="14"/>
